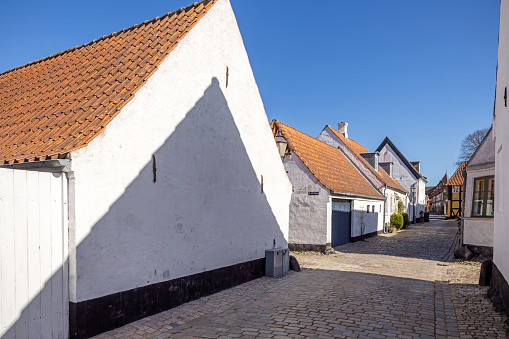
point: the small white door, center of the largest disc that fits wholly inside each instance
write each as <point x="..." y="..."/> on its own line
<point x="34" y="298"/>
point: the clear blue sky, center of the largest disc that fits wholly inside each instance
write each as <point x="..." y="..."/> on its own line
<point x="420" y="72"/>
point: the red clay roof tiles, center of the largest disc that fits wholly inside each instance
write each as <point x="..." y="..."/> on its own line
<point x="328" y="164"/>
<point x="457" y="177"/>
<point x="357" y="149"/>
<point x="60" y="103"/>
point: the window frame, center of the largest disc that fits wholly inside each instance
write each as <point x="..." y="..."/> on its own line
<point x="486" y="180"/>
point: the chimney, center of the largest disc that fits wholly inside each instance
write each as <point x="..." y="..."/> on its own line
<point x="343" y="129"/>
<point x="387" y="167"/>
<point x="371" y="158"/>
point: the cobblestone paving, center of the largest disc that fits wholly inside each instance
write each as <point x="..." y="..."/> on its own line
<point x="402" y="285"/>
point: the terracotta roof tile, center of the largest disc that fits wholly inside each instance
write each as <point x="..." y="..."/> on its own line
<point x="60" y="103"/>
<point x="328" y="164"/>
<point x="357" y="149"/>
<point x="457" y="177"/>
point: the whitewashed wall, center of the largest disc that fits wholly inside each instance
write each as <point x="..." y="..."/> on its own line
<point x="212" y="145"/>
<point x="392" y="206"/>
<point x="33" y="255"/>
<point x="363" y="222"/>
<point x="476" y="231"/>
<point x="310" y="215"/>
<point x="501" y="139"/>
<point x="406" y="179"/>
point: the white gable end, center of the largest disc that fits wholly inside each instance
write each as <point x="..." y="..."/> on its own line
<point x="173" y="186"/>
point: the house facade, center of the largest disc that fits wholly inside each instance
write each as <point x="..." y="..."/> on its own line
<point x="407" y="174"/>
<point x="332" y="202"/>
<point x="454" y="204"/>
<point x="169" y="180"/>
<point x="479" y="207"/>
<point x="438" y="196"/>
<point x="429" y="190"/>
<point x="379" y="174"/>
<point x="500" y="277"/>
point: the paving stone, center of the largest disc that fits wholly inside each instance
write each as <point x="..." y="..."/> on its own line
<point x="403" y="285"/>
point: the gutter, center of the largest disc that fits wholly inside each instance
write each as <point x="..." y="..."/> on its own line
<point x="56" y="163"/>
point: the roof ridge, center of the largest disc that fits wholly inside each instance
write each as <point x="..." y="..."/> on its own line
<point x="104" y="37"/>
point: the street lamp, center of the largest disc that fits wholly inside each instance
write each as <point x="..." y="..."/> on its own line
<point x="414" y="190"/>
<point x="281" y="144"/>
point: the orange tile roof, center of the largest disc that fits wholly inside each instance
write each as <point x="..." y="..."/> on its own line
<point x="357" y="149"/>
<point x="457" y="177"/>
<point x="328" y="164"/>
<point x="60" y="103"/>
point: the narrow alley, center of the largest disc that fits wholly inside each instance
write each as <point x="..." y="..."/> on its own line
<point x="404" y="285"/>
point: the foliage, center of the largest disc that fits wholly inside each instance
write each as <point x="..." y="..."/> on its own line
<point x="470" y="144"/>
<point x="401" y="207"/>
<point x="406" y="219"/>
<point x="397" y="220"/>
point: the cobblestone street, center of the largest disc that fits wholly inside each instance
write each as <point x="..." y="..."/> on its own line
<point x="402" y="285"/>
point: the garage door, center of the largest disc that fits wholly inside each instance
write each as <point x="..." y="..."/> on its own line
<point x="33" y="255"/>
<point x="341" y="229"/>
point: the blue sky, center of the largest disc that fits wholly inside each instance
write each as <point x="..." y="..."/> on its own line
<point x="420" y="72"/>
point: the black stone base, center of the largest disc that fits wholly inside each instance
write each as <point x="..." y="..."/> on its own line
<point x="365" y="236"/>
<point x="481" y="251"/>
<point x="499" y="291"/>
<point x="91" y="317"/>
<point x="307" y="247"/>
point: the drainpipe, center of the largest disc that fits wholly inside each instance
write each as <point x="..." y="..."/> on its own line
<point x="385" y="205"/>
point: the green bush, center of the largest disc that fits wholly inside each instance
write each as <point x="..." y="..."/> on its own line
<point x="397" y="220"/>
<point x="406" y="219"/>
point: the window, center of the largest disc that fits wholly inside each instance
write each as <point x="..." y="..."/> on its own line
<point x="367" y="209"/>
<point x="455" y="189"/>
<point x="484" y="195"/>
<point x="373" y="209"/>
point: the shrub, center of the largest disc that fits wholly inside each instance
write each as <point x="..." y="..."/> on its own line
<point x="397" y="220"/>
<point x="406" y="219"/>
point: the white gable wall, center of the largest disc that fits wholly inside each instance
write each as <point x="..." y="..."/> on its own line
<point x="212" y="144"/>
<point x="406" y="179"/>
<point x="501" y="139"/>
<point x="310" y="215"/>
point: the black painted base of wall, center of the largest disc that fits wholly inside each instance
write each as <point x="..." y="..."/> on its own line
<point x="91" y="317"/>
<point x="365" y="236"/>
<point x="499" y="291"/>
<point x="307" y="247"/>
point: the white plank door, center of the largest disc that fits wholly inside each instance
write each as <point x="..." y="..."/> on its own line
<point x="34" y="298"/>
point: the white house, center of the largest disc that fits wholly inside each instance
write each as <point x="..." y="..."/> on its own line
<point x="407" y="173"/>
<point x="501" y="139"/>
<point x="332" y="202"/>
<point x="140" y="169"/>
<point x="479" y="205"/>
<point x="379" y="174"/>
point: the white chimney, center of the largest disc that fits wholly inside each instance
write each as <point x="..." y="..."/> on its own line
<point x="343" y="129"/>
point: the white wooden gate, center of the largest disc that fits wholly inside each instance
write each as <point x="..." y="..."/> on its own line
<point x="34" y="297"/>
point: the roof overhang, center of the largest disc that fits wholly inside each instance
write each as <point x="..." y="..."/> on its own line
<point x="353" y="195"/>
